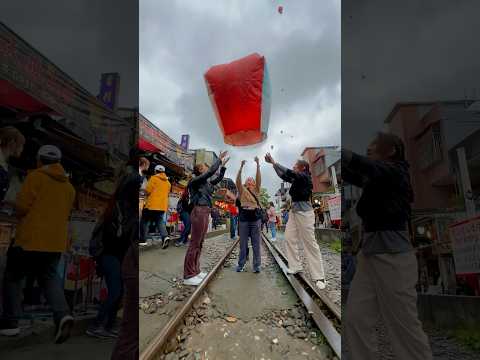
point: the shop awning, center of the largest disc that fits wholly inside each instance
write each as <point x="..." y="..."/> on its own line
<point x="12" y="98"/>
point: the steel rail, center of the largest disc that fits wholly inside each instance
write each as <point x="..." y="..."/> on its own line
<point x="156" y="346"/>
<point x="324" y="324"/>
<point x="334" y="308"/>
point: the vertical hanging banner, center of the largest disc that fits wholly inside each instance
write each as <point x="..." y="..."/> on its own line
<point x="185" y="141"/>
<point x="109" y="89"/>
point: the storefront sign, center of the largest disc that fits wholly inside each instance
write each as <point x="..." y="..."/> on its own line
<point x="29" y="71"/>
<point x="165" y="144"/>
<point x="334" y="207"/>
<point x="465" y="237"/>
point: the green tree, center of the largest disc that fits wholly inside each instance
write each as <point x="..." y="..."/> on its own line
<point x="264" y="198"/>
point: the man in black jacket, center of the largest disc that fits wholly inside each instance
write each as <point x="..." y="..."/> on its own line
<point x="301" y="221"/>
<point x="386" y="274"/>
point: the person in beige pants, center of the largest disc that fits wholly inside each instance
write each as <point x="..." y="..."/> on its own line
<point x="300" y="228"/>
<point x="384" y="282"/>
<point x="301" y="221"/>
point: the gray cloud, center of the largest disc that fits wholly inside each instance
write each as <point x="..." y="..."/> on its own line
<point x="181" y="40"/>
<point x="406" y="51"/>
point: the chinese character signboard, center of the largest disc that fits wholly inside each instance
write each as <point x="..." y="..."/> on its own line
<point x="109" y="88"/>
<point x="465" y="237"/>
<point x="185" y="141"/>
<point x="334" y="207"/>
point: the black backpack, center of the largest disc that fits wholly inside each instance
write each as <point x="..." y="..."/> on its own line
<point x="186" y="201"/>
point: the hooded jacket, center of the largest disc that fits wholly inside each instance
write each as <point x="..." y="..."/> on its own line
<point x="157" y="190"/>
<point x="44" y="204"/>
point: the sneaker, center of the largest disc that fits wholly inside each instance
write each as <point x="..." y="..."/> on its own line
<point x="143" y="243"/>
<point x="293" y="272"/>
<point x="178" y="244"/>
<point x="9" y="328"/>
<point x="256" y="270"/>
<point x="240" y="268"/>
<point x="165" y="242"/>
<point x="100" y="332"/>
<point x="64" y="329"/>
<point x="321" y="284"/>
<point x="203" y="274"/>
<point x="274" y="239"/>
<point x="193" y="281"/>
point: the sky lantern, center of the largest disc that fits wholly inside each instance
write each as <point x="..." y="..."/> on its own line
<point x="240" y="95"/>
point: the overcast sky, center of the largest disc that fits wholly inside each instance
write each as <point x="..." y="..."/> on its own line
<point x="404" y="51"/>
<point x="180" y="40"/>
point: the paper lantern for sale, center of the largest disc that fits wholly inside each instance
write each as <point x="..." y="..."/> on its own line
<point x="240" y="97"/>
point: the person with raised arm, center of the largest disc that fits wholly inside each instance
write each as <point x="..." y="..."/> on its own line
<point x="386" y="270"/>
<point x="201" y="188"/>
<point x="250" y="217"/>
<point x="301" y="220"/>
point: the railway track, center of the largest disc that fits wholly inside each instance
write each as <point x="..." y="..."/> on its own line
<point x="324" y="313"/>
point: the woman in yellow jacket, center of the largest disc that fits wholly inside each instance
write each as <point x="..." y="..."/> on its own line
<point x="157" y="191"/>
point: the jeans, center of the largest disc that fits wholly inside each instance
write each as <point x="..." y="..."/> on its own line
<point x="127" y="344"/>
<point x="273" y="229"/>
<point x="111" y="269"/>
<point x="187" y="225"/>
<point x="156" y="217"/>
<point x="199" y="218"/>
<point x="43" y="266"/>
<point x="233" y="226"/>
<point x="250" y="229"/>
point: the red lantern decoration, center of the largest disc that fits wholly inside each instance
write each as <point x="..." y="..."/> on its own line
<point x="240" y="96"/>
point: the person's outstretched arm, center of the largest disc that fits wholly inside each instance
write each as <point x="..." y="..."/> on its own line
<point x="222" y="159"/>
<point x="258" y="176"/>
<point x="220" y="176"/>
<point x="239" y="179"/>
<point x="284" y="173"/>
<point x="358" y="166"/>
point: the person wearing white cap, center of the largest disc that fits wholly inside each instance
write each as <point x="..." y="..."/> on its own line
<point x="156" y="205"/>
<point x="43" y="208"/>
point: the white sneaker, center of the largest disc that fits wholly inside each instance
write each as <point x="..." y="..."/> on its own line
<point x="274" y="239"/>
<point x="293" y="272"/>
<point x="194" y="281"/>
<point x="143" y="243"/>
<point x="321" y="284"/>
<point x="203" y="274"/>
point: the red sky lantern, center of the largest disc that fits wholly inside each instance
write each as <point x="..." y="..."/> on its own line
<point x="240" y="97"/>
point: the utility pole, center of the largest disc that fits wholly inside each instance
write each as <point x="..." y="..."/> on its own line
<point x="465" y="182"/>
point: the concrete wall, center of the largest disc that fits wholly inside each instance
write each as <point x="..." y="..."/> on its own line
<point x="449" y="311"/>
<point x="323" y="235"/>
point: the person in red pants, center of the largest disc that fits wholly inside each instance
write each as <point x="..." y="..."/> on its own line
<point x="201" y="188"/>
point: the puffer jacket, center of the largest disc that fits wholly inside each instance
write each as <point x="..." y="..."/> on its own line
<point x="44" y="204"/>
<point x="157" y="190"/>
